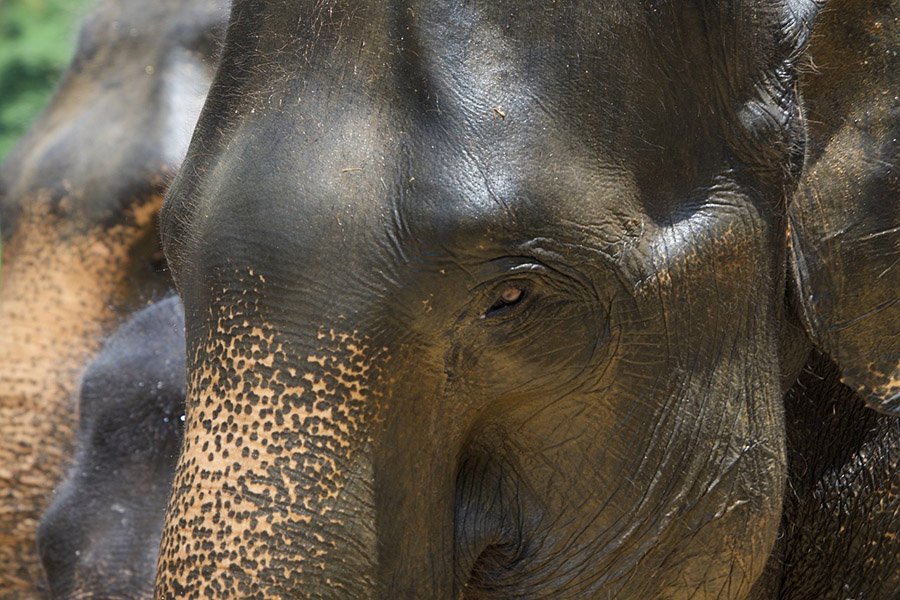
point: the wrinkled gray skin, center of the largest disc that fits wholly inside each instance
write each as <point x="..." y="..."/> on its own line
<point x="493" y="300"/>
<point x="99" y="538"/>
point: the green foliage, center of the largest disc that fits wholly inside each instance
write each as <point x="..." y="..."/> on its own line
<point x="37" y="38"/>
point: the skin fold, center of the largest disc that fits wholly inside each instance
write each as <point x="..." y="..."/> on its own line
<point x="99" y="538"/>
<point x="493" y="301"/>
<point x="79" y="199"/>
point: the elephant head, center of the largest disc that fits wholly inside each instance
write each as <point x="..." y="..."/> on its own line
<point x="487" y="301"/>
<point x="99" y="538"/>
<point x="79" y="198"/>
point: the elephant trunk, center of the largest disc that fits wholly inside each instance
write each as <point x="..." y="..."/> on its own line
<point x="42" y="349"/>
<point x="57" y="294"/>
<point x="291" y="482"/>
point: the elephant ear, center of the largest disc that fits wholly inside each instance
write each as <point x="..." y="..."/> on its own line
<point x="844" y="234"/>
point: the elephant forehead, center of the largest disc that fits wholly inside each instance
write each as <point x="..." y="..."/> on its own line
<point x="389" y="116"/>
<point x="317" y="180"/>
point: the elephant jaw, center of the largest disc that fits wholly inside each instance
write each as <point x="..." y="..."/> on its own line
<point x="57" y="297"/>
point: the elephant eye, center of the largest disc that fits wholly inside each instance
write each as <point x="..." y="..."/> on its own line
<point x="508" y="297"/>
<point x="158" y="261"/>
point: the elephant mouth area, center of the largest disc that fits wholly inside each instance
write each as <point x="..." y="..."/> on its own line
<point x="490" y="521"/>
<point x="492" y="565"/>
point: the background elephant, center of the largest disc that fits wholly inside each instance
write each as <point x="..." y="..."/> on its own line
<point x="100" y="537"/>
<point x="493" y="301"/>
<point x="79" y="197"/>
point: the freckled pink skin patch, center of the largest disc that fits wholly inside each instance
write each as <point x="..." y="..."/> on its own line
<point x="266" y="427"/>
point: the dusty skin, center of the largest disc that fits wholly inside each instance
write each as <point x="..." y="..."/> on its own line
<point x="58" y="296"/>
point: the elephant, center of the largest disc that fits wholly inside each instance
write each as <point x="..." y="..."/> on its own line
<point x="508" y="300"/>
<point x="99" y="538"/>
<point x="79" y="202"/>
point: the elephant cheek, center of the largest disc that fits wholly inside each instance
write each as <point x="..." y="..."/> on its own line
<point x="57" y="299"/>
<point x="273" y="490"/>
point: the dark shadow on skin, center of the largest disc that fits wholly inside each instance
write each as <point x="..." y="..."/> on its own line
<point x="100" y="537"/>
<point x="839" y="522"/>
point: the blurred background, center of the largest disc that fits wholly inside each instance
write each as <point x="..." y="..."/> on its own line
<point x="37" y="38"/>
